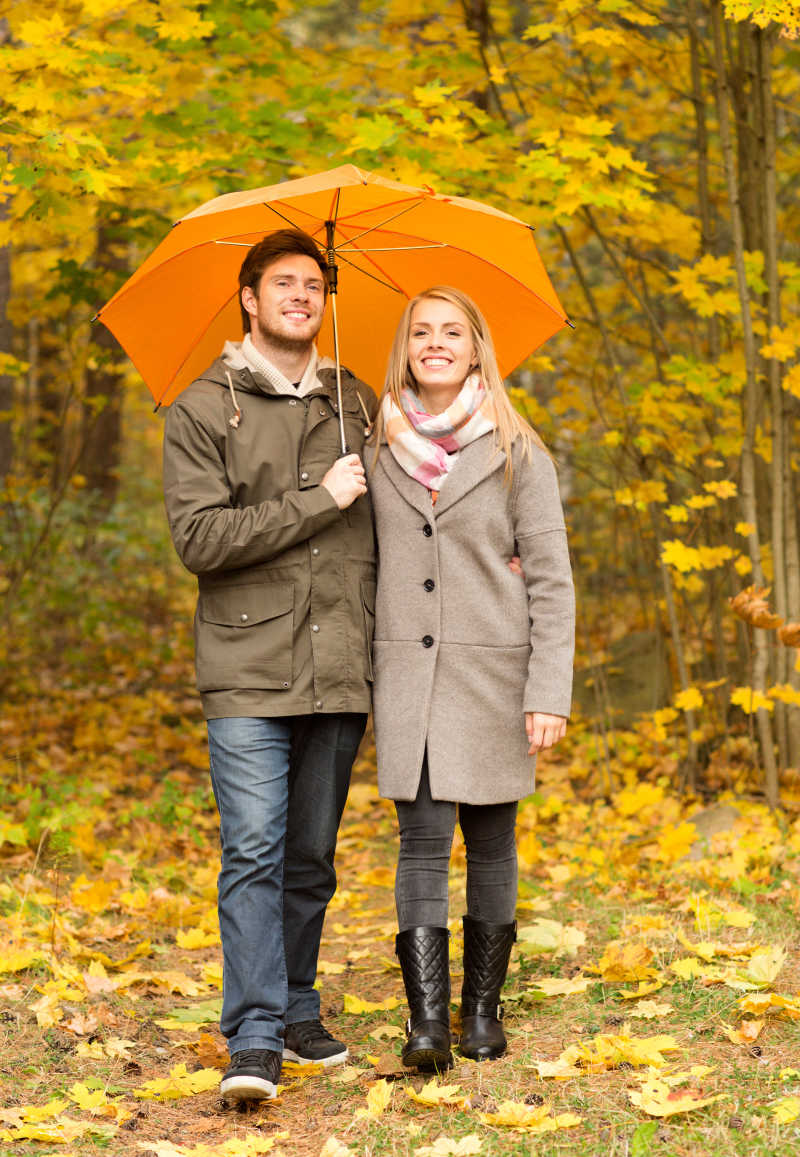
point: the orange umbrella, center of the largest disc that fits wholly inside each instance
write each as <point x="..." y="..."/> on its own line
<point x="391" y="241"/>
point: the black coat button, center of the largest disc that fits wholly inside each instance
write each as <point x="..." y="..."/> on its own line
<point x="427" y="640"/>
<point x="427" y="530"/>
<point x="429" y="584"/>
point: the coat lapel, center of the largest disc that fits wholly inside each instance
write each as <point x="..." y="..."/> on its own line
<point x="475" y="462"/>
<point x="413" y="492"/>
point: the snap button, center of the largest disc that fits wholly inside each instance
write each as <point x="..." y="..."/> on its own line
<point x="292" y="401"/>
<point x="315" y="627"/>
<point x="322" y="413"/>
<point x="427" y="640"/>
<point x="315" y="551"/>
<point x="243" y="618"/>
<point x="318" y="704"/>
<point x="304" y="476"/>
<point x="286" y="684"/>
<point x="429" y="584"/>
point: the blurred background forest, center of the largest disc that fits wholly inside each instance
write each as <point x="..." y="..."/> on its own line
<point x="654" y="146"/>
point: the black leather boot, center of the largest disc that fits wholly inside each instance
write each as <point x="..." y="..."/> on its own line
<point x="424" y="955"/>
<point x="487" y="948"/>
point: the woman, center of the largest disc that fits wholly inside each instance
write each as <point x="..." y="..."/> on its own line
<point x="472" y="659"/>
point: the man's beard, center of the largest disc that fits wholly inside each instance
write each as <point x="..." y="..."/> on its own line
<point x="286" y="341"/>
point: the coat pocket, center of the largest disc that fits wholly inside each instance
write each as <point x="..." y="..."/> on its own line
<point x="244" y="636"/>
<point x="368" y="605"/>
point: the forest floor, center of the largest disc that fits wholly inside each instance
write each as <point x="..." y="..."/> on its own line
<point x="652" y="1005"/>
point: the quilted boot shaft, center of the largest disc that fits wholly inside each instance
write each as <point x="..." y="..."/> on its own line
<point x="487" y="949"/>
<point x="424" y="955"/>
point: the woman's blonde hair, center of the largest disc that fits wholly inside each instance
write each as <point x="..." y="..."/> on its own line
<point x="510" y="424"/>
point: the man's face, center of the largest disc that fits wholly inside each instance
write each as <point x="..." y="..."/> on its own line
<point x="287" y="310"/>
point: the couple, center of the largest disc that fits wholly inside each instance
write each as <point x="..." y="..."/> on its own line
<point x="471" y="664"/>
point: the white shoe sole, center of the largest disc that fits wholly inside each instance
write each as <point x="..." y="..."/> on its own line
<point x="247" y="1089"/>
<point x="326" y="1062"/>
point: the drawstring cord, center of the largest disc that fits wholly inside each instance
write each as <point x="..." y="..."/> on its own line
<point x="365" y="412"/>
<point x="237" y="417"/>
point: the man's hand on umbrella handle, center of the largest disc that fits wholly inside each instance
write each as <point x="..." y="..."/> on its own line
<point x="346" y="480"/>
<point x="543" y="730"/>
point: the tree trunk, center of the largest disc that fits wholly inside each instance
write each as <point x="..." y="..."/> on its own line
<point x="748" y="464"/>
<point x="103" y="398"/>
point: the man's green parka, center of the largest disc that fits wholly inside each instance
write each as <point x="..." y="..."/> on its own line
<point x="286" y="598"/>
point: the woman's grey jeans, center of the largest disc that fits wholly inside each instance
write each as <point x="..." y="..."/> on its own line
<point x="426" y="838"/>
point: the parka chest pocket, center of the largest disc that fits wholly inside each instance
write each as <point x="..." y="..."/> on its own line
<point x="244" y="637"/>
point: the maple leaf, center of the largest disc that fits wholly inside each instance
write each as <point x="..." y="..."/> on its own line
<point x="657" y="1099"/>
<point x="644" y="988"/>
<point x="333" y="1147"/>
<point x="378" y="1098"/>
<point x="432" y="1094"/>
<point x="196" y="938"/>
<point x="550" y="936"/>
<point x="448" y="1147"/>
<point x="528" y="1118"/>
<point x="356" y="1006"/>
<point x="553" y="986"/>
<point x="626" y="961"/>
<point x="179" y="1083"/>
<point x="649" y="1009"/>
<point x="745" y="1034"/>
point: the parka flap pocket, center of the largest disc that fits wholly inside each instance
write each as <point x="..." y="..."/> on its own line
<point x="368" y="594"/>
<point x="247" y="606"/>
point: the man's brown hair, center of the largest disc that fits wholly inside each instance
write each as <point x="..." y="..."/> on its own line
<point x="282" y="243"/>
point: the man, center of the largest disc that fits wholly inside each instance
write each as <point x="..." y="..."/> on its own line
<point x="278" y="529"/>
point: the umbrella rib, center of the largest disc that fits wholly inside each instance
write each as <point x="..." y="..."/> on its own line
<point x="380" y="224"/>
<point x="385" y="248"/>
<point x="365" y="273"/>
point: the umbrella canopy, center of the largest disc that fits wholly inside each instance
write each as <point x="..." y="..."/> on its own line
<point x="173" y="316"/>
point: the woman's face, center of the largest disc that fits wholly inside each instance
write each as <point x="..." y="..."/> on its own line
<point x="440" y="351"/>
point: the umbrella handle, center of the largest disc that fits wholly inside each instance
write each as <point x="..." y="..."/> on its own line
<point x="333" y="278"/>
<point x="342" y="438"/>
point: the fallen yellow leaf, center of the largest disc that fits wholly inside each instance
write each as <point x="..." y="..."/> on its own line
<point x="528" y="1118"/>
<point x="432" y="1094"/>
<point x="657" y="1099"/>
<point x="354" y="1004"/>
<point x="179" y="1083"/>
<point x="378" y="1097"/>
<point x="626" y="962"/>
<point x="745" y="1034"/>
<point x="553" y="986"/>
<point x="650" y="1009"/>
<point x="785" y="1110"/>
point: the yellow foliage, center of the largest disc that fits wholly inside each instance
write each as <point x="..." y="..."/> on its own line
<point x="688" y="700"/>
<point x="750" y="700"/>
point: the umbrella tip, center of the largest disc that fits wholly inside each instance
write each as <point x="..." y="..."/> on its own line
<point x="156" y="407"/>
<point x="571" y="324"/>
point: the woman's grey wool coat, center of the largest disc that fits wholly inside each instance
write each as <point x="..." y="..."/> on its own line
<point x="463" y="646"/>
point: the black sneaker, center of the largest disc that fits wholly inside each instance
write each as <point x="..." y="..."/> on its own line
<point x="307" y="1042"/>
<point x="252" y="1076"/>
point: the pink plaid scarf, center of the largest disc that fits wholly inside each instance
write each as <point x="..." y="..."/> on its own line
<point x="429" y="449"/>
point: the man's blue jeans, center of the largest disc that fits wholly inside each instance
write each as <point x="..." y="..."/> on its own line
<point x="280" y="786"/>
